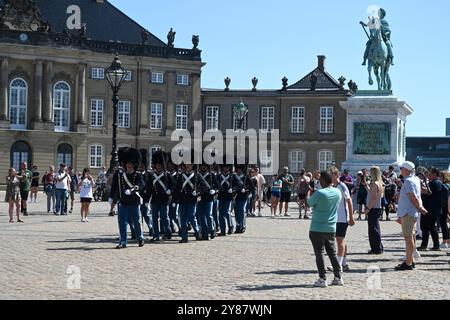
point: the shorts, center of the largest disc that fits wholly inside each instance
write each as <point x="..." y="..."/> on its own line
<point x="408" y="226"/>
<point x="24" y="195"/>
<point x="285" y="197"/>
<point x="86" y="200"/>
<point x="301" y="196"/>
<point x="341" y="229"/>
<point x="362" y="199"/>
<point x="276" y="194"/>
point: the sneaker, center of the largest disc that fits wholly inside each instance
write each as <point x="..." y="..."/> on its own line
<point x="287" y="215"/>
<point x="416" y="256"/>
<point x="306" y="217"/>
<point x="404" y="267"/>
<point x="86" y="219"/>
<point x="71" y="210"/>
<point x="337" y="282"/>
<point x="321" y="283"/>
<point x="83" y="220"/>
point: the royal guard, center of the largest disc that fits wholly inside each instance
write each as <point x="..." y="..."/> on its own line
<point x="225" y="197"/>
<point x="126" y="189"/>
<point x="207" y="186"/>
<point x="160" y="187"/>
<point x="242" y="184"/>
<point x="186" y="197"/>
<point x="145" y="209"/>
<point x="173" y="205"/>
<point x="215" y="210"/>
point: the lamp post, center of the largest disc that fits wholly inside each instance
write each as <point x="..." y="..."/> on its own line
<point x="115" y="74"/>
<point x="241" y="112"/>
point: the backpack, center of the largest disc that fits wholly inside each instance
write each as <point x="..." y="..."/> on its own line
<point x="445" y="195"/>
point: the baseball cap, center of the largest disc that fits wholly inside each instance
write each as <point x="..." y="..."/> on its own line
<point x="408" y="166"/>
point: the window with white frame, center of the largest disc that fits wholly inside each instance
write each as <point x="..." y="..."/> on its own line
<point x="325" y="159"/>
<point x="129" y="76"/>
<point x="182" y="117"/>
<point x="326" y="119"/>
<point x="156" y="115"/>
<point x="97" y="106"/>
<point x="266" y="160"/>
<point x="124" y="114"/>
<point x="18" y="101"/>
<point x="212" y="118"/>
<point x="96" y="156"/>
<point x="236" y="122"/>
<point x="183" y="79"/>
<point x="61" y="106"/>
<point x="296" y="160"/>
<point x="267" y="118"/>
<point x="98" y="73"/>
<point x="157" y="77"/>
<point x="298" y="120"/>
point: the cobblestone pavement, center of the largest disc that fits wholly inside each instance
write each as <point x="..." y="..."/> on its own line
<point x="273" y="260"/>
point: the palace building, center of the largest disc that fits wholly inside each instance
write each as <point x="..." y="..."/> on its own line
<point x="55" y="102"/>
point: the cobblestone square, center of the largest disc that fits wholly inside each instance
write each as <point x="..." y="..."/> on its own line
<point x="273" y="260"/>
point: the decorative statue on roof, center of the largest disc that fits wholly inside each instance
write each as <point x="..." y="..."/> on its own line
<point x="195" y="41"/>
<point x="23" y="15"/>
<point x="171" y="38"/>
<point x="378" y="53"/>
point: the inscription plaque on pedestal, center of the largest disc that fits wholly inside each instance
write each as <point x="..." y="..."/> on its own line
<point x="372" y="138"/>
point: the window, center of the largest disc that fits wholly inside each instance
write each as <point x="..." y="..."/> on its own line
<point x="156" y="115"/>
<point x="212" y="118"/>
<point x="98" y="73"/>
<point x="267" y="118"/>
<point x="266" y="161"/>
<point x="96" y="156"/>
<point x="296" y="160"/>
<point x="325" y="160"/>
<point x="64" y="154"/>
<point x="18" y="100"/>
<point x="326" y="119"/>
<point x="183" y="79"/>
<point x="124" y="114"/>
<point x="129" y="76"/>
<point x="182" y="117"/>
<point x="157" y="77"/>
<point x="20" y="152"/>
<point x="236" y="122"/>
<point x="61" y="106"/>
<point x="298" y="120"/>
<point x="97" y="112"/>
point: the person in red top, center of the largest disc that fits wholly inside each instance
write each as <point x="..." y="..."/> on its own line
<point x="49" y="189"/>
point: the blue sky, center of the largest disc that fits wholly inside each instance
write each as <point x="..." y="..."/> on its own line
<point x="273" y="39"/>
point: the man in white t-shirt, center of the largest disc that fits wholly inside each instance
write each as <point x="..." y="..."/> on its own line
<point x="62" y="188"/>
<point x="260" y="182"/>
<point x="345" y="219"/>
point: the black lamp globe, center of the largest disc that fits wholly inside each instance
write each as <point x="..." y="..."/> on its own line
<point x="116" y="74"/>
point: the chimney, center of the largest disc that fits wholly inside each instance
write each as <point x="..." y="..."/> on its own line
<point x="321" y="62"/>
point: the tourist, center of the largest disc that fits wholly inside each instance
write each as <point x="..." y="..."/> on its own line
<point x="73" y="186"/>
<point x="303" y="186"/>
<point x="276" y="194"/>
<point x="62" y="182"/>
<point x="286" y="191"/>
<point x="13" y="194"/>
<point x="260" y="182"/>
<point x="374" y="212"/>
<point x="347" y="179"/>
<point x="325" y="203"/>
<point x="49" y="189"/>
<point x="315" y="182"/>
<point x="25" y="176"/>
<point x="345" y="219"/>
<point x="34" y="184"/>
<point x="86" y="186"/>
<point x="445" y="216"/>
<point x="361" y="191"/>
<point x="409" y="209"/>
<point x="432" y="201"/>
<point x="250" y="208"/>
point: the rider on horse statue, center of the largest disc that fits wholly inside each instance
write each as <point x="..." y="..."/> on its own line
<point x="377" y="23"/>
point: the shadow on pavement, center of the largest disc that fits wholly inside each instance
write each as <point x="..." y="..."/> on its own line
<point x="274" y="287"/>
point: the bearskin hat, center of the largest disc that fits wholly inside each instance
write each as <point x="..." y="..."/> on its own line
<point x="158" y="157"/>
<point x="129" y="155"/>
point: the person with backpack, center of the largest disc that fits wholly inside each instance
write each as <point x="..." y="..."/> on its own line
<point x="303" y="187"/>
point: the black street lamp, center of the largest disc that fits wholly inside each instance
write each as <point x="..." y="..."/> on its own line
<point x="115" y="74"/>
<point x="241" y="112"/>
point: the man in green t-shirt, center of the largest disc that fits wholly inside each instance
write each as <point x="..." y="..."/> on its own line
<point x="286" y="190"/>
<point x="25" y="177"/>
<point x="325" y="204"/>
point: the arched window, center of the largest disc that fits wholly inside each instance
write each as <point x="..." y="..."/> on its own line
<point x="65" y="154"/>
<point x="61" y="106"/>
<point x="18" y="101"/>
<point x="20" y="152"/>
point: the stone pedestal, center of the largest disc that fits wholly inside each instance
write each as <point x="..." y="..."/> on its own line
<point x="4" y="124"/>
<point x="376" y="130"/>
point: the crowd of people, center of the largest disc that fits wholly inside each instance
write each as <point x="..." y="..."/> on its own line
<point x="173" y="200"/>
